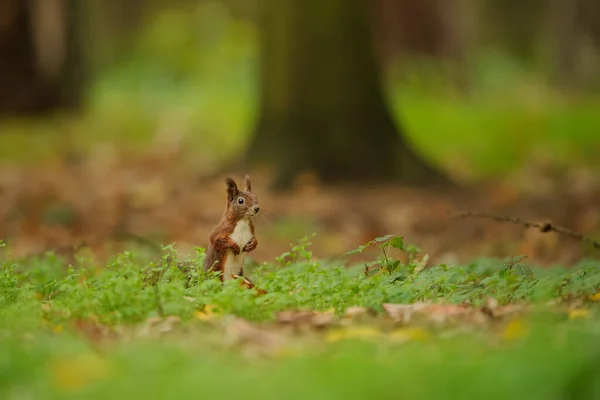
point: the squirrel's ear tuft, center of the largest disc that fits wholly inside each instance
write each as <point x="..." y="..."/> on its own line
<point x="247" y="184"/>
<point x="232" y="189"/>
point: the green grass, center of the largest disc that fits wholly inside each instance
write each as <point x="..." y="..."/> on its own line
<point x="549" y="351"/>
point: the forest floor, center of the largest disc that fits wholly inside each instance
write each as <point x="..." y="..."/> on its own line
<point x="465" y="317"/>
<point x="114" y="197"/>
<point x="451" y="320"/>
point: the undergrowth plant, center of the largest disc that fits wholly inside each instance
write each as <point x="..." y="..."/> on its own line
<point x="132" y="287"/>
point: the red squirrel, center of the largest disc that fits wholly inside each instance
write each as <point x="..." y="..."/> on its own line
<point x="234" y="235"/>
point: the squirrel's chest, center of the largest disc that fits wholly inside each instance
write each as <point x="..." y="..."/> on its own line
<point x="241" y="233"/>
<point x="235" y="262"/>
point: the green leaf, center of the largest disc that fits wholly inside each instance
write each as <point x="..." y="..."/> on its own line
<point x="382" y="239"/>
<point x="360" y="249"/>
<point x="398" y="243"/>
<point x="413" y="249"/>
<point x="394" y="265"/>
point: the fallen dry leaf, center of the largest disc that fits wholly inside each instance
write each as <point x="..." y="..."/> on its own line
<point x="579" y="313"/>
<point x="403" y="312"/>
<point x="492" y="309"/>
<point x="355" y="312"/>
<point x="353" y="332"/>
<point x="437" y="313"/>
<point x="323" y="319"/>
<point x="91" y="329"/>
<point x="157" y="325"/>
<point x="254" y="341"/>
<point x="405" y="334"/>
<point x="295" y="317"/>
<point x="306" y="318"/>
<point x="515" y="329"/>
<point x="442" y="313"/>
<point x="210" y="312"/>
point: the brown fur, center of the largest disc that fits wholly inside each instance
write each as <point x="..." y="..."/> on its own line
<point x="220" y="240"/>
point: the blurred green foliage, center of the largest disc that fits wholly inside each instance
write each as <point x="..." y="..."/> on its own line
<point x="189" y="70"/>
<point x="510" y="118"/>
<point x="190" y="73"/>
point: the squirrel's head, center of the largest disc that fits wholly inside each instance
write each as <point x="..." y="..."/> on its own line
<point x="241" y="203"/>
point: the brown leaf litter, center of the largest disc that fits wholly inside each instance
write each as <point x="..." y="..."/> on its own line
<point x="109" y="198"/>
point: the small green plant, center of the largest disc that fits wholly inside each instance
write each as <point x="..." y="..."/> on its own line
<point x="385" y="263"/>
<point x="9" y="284"/>
<point x="514" y="266"/>
<point x="298" y="252"/>
<point x="121" y="291"/>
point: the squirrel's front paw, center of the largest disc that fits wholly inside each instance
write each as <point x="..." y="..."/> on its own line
<point x="251" y="245"/>
<point x="235" y="249"/>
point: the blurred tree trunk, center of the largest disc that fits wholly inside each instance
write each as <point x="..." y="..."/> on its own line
<point x="322" y="105"/>
<point x="567" y="28"/>
<point x="515" y="25"/>
<point x="590" y="17"/>
<point x="41" y="59"/>
<point x="112" y="24"/>
<point x="576" y="45"/>
<point x="441" y="30"/>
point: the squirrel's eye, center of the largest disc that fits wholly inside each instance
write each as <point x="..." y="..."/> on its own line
<point x="241" y="200"/>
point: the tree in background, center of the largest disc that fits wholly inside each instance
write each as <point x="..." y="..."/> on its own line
<point x="322" y="106"/>
<point x="577" y="36"/>
<point x="41" y="61"/>
<point x="433" y="30"/>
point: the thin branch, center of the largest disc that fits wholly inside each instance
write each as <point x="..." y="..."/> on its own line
<point x="542" y="226"/>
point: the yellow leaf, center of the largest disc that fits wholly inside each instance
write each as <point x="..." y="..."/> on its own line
<point x="210" y="309"/>
<point x="351" y="333"/>
<point x="71" y="374"/>
<point x="202" y="316"/>
<point x="406" y="334"/>
<point x="595" y="297"/>
<point x="57" y="329"/>
<point x="208" y="313"/>
<point x="514" y="330"/>
<point x="579" y="313"/>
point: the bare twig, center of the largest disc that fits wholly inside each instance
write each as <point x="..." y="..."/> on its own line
<point x="542" y="226"/>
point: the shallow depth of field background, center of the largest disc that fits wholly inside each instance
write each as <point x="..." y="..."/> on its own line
<point x="356" y="119"/>
<point x="162" y="99"/>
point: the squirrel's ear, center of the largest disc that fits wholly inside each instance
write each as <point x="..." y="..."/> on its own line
<point x="232" y="189"/>
<point x="248" y="184"/>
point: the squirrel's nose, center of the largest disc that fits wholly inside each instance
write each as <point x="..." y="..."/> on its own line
<point x="256" y="208"/>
